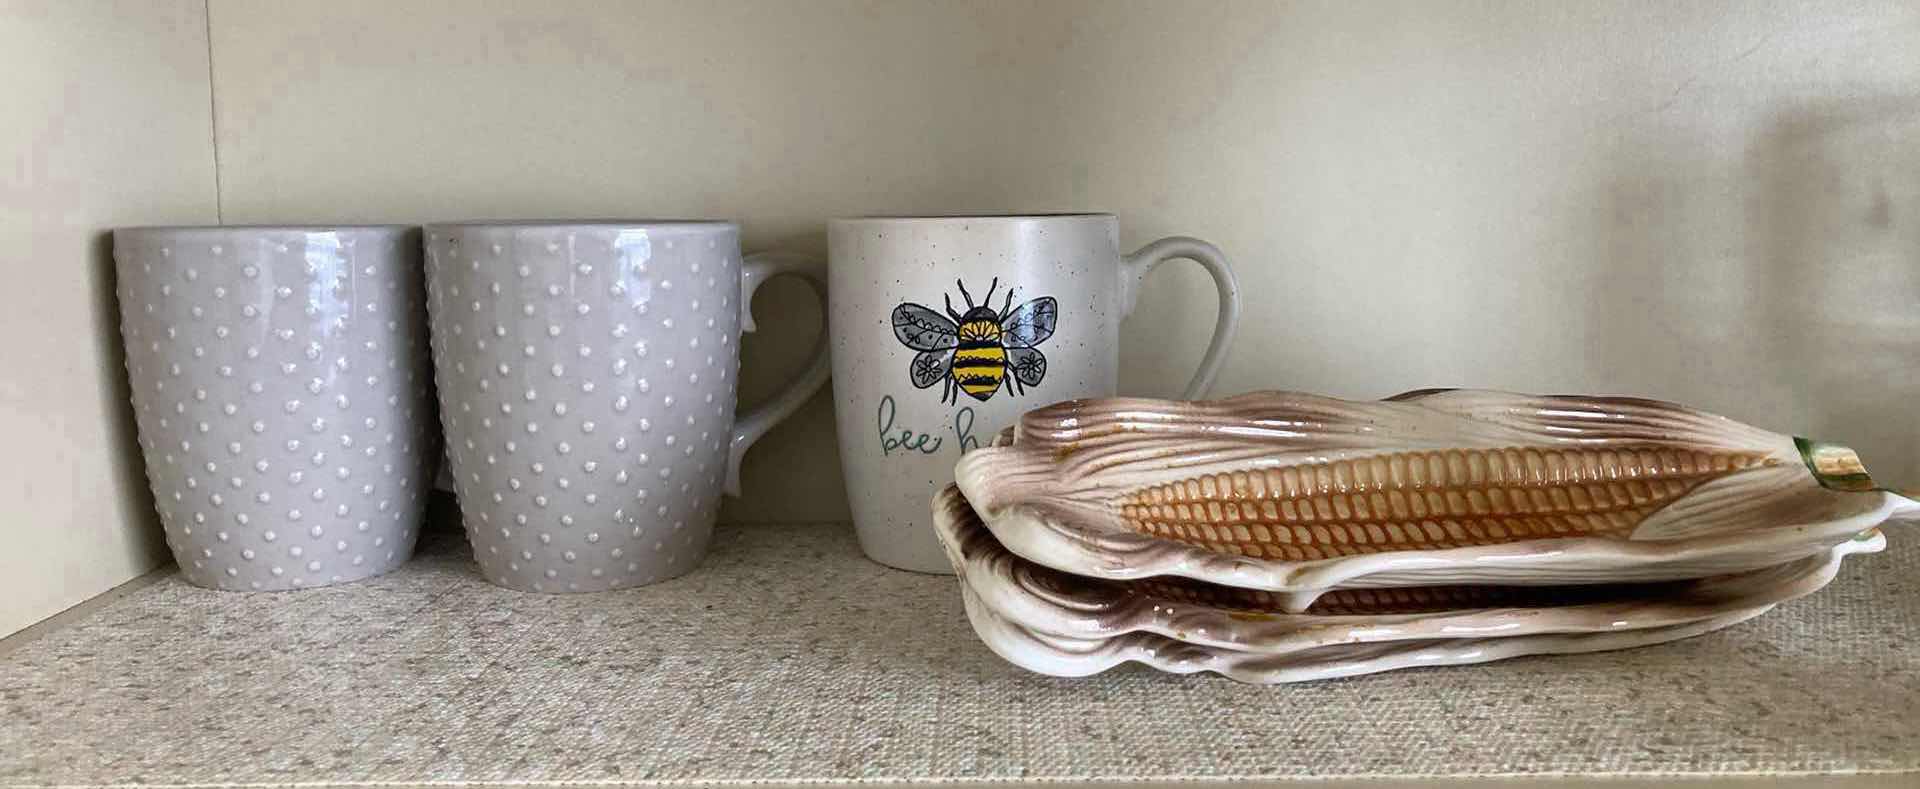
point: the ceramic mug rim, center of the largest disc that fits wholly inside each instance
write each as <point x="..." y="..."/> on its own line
<point x="650" y="225"/>
<point x="1066" y="216"/>
<point x="263" y="228"/>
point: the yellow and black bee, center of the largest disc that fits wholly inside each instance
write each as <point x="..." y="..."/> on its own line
<point x="973" y="352"/>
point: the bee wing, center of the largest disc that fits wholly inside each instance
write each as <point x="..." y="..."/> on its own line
<point x="928" y="367"/>
<point x="1027" y="364"/>
<point x="923" y="329"/>
<point x="1030" y="324"/>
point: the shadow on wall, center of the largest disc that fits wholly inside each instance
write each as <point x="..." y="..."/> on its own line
<point x="1836" y="217"/>
<point x="1780" y="287"/>
<point x="129" y="466"/>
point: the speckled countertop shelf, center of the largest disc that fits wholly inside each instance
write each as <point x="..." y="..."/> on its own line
<point x="789" y="658"/>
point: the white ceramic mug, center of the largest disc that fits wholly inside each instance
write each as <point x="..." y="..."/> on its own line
<point x="587" y="373"/>
<point x="946" y="329"/>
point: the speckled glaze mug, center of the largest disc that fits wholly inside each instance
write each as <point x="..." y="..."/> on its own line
<point x="587" y="375"/>
<point x="946" y="328"/>
<point x="279" y="381"/>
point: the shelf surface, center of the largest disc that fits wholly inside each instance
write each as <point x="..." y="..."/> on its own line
<point x="789" y="658"/>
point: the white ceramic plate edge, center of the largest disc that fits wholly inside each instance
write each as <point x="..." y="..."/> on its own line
<point x="1055" y="656"/>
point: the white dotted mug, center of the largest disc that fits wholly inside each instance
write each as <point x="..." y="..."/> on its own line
<point x="587" y="375"/>
<point x="279" y="384"/>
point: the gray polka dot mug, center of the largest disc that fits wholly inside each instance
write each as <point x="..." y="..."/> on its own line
<point x="279" y="380"/>
<point x="587" y="375"/>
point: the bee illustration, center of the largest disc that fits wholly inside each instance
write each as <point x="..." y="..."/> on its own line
<point x="974" y="351"/>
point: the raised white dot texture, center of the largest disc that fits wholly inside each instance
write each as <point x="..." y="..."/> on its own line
<point x="257" y="325"/>
<point x="548" y="422"/>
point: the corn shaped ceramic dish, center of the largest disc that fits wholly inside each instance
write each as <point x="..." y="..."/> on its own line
<point x="1297" y="494"/>
<point x="1057" y="623"/>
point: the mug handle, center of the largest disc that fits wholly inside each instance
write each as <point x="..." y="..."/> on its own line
<point x="1133" y="272"/>
<point x="755" y="270"/>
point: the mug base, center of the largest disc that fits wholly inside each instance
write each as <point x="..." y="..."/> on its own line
<point x="563" y="578"/>
<point x="265" y="581"/>
<point x="929" y="558"/>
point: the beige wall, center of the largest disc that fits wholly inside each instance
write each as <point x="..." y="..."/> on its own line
<point x="1707" y="202"/>
<point x="1717" y="203"/>
<point x="1714" y="203"/>
<point x="103" y="122"/>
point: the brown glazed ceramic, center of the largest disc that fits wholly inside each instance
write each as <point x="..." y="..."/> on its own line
<point x="1296" y="494"/>
<point x="1066" y="625"/>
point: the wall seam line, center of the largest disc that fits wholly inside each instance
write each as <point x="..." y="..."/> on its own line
<point x="213" y="116"/>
